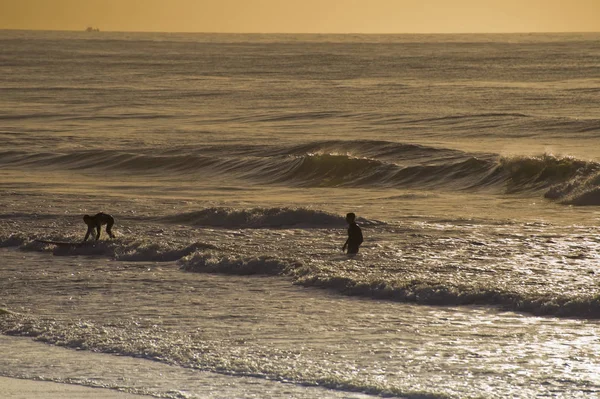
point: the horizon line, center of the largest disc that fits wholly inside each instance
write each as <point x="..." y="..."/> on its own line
<point x="302" y="33"/>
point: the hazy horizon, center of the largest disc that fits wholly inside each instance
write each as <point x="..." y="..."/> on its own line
<point x="306" y="33"/>
<point x="308" y="16"/>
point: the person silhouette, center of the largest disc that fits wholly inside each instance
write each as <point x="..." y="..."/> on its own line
<point x="355" y="237"/>
<point x="96" y="222"/>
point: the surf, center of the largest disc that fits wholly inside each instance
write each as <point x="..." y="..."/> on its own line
<point x="340" y="164"/>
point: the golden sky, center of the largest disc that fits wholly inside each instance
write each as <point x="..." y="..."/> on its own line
<point x="304" y="16"/>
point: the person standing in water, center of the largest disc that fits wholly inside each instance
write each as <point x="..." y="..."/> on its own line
<point x="96" y="222"/>
<point x="355" y="237"/>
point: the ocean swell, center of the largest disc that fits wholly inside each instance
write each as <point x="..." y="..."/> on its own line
<point x="342" y="164"/>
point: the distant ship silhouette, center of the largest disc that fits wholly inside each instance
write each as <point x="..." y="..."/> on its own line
<point x="90" y="29"/>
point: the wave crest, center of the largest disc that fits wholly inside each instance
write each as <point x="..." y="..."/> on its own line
<point x="210" y="262"/>
<point x="337" y="163"/>
<point x="157" y="252"/>
<point x="331" y="170"/>
<point x="258" y="218"/>
<point x="567" y="180"/>
<point x="544" y="170"/>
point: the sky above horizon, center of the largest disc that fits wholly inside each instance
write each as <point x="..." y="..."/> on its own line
<point x="304" y="16"/>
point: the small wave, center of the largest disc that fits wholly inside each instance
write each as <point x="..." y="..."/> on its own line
<point x="13" y="240"/>
<point x="258" y="218"/>
<point x="374" y="149"/>
<point x="423" y="292"/>
<point x="290" y="117"/>
<point x="18" y="117"/>
<point x="118" y="249"/>
<point x="433" y="293"/>
<point x="156" y="252"/>
<point x="110" y="160"/>
<point x="210" y="262"/>
<point x="123" y="116"/>
<point x="468" y="117"/>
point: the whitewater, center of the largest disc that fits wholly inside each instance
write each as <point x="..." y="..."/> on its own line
<point x="229" y="162"/>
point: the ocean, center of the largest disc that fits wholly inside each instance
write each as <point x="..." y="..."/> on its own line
<point x="229" y="162"/>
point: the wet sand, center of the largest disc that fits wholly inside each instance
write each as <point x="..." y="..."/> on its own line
<point x="14" y="388"/>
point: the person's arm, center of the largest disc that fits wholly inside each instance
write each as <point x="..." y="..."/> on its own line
<point x="345" y="245"/>
<point x="98" y="230"/>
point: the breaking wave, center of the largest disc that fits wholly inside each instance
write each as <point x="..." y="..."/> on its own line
<point x="263" y="218"/>
<point x="343" y="164"/>
<point x="211" y="262"/>
<point x="258" y="218"/>
<point x="545" y="170"/>
<point x="582" y="189"/>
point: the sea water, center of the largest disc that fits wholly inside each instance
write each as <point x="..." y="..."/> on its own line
<point x="229" y="163"/>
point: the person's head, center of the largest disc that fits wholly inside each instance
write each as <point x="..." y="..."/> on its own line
<point x="87" y="219"/>
<point x="350" y="217"/>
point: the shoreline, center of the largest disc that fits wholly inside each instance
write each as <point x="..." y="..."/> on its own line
<point x="17" y="388"/>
